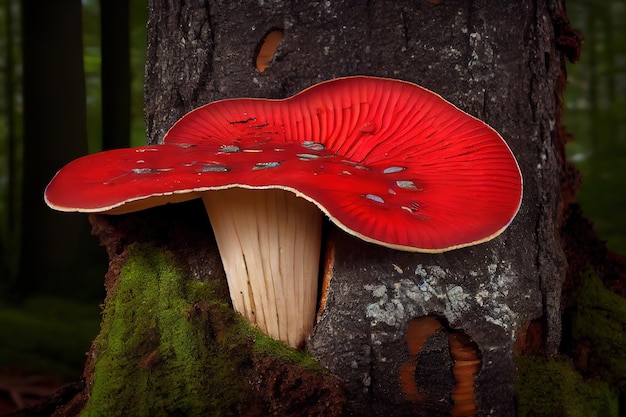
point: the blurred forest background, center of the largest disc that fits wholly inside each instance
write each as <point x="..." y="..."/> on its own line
<point x="71" y="82"/>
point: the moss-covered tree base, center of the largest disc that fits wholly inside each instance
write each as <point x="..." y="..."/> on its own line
<point x="170" y="343"/>
<point x="590" y="381"/>
<point x="598" y="332"/>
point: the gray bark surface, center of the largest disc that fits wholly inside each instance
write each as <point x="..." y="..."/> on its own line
<point x="498" y="61"/>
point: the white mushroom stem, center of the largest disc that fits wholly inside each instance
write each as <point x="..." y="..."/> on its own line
<point x="269" y="242"/>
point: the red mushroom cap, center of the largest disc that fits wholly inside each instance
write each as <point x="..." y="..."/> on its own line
<point x="386" y="160"/>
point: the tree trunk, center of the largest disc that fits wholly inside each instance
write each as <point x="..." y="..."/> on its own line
<point x="501" y="62"/>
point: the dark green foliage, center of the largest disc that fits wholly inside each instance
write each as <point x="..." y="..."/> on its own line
<point x="595" y="102"/>
<point x="553" y="388"/>
<point x="600" y="320"/>
<point x="47" y="335"/>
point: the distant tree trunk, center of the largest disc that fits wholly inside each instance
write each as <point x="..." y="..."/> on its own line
<point x="11" y="224"/>
<point x="115" y="36"/>
<point x="54" y="134"/>
<point x="502" y="62"/>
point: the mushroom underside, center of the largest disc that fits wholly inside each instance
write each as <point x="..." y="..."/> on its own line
<point x="269" y="242"/>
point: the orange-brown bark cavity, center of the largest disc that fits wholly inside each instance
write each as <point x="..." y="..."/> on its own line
<point x="266" y="49"/>
<point x="463" y="354"/>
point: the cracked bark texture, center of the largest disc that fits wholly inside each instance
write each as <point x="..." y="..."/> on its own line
<point x="499" y="61"/>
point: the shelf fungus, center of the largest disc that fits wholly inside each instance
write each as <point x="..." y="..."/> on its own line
<point x="385" y="160"/>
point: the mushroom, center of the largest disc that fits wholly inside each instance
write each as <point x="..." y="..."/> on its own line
<point x="386" y="160"/>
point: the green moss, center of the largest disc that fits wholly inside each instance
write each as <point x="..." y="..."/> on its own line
<point x="600" y="318"/>
<point x="552" y="388"/>
<point x="153" y="352"/>
<point x="170" y="346"/>
<point x="264" y="346"/>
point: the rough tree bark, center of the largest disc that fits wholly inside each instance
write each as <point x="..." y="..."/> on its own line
<point x="502" y="62"/>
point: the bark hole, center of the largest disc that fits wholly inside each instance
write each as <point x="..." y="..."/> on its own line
<point x="267" y="47"/>
<point x="449" y="386"/>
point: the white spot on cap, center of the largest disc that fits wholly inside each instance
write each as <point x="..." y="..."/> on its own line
<point x="392" y="170"/>
<point x="407" y="185"/>
<point x="264" y="165"/>
<point x="375" y="198"/>
<point x="314" y="146"/>
<point x="213" y="167"/>
<point x="230" y="149"/>
<point x="150" y="170"/>
<point x="307" y="156"/>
